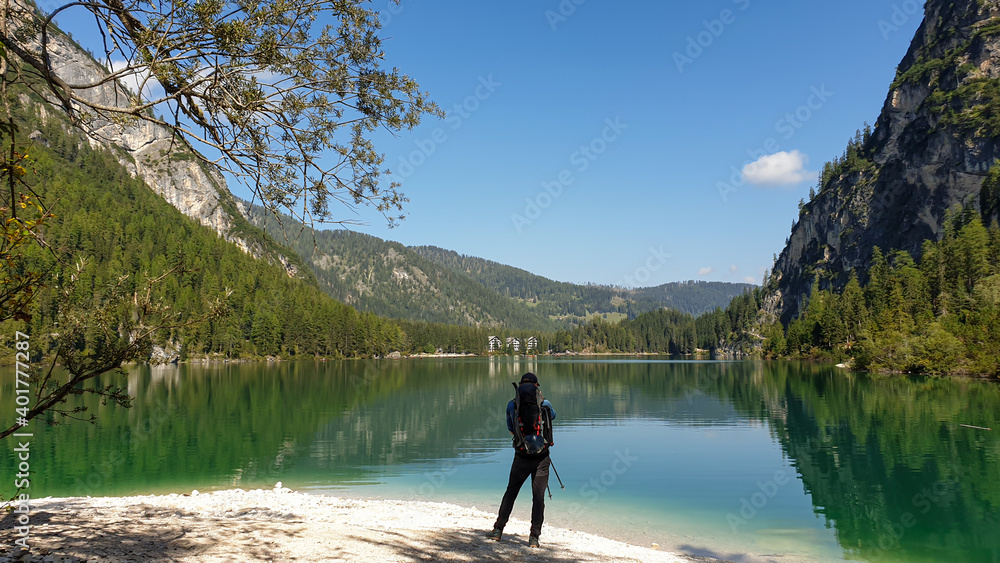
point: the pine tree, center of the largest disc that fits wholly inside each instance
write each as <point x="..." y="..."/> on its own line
<point x="933" y="269"/>
<point x="913" y="286"/>
<point x="989" y="195"/>
<point x="994" y="251"/>
<point x="973" y="253"/>
<point x="879" y="283"/>
<point x="851" y="307"/>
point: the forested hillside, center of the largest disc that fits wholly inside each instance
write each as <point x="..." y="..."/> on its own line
<point x="430" y="284"/>
<point x="939" y="314"/>
<point x="668" y="332"/>
<point x="556" y="299"/>
<point x="562" y="299"/>
<point x="391" y="280"/>
<point x="693" y="297"/>
<point x="120" y="227"/>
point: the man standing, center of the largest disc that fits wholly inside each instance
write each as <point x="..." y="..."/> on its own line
<point x="529" y="419"/>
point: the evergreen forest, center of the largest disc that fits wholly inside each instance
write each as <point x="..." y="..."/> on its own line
<point x="939" y="314"/>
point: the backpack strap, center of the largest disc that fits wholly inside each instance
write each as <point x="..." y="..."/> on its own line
<point x="538" y="401"/>
<point x="544" y="418"/>
<point x="518" y="435"/>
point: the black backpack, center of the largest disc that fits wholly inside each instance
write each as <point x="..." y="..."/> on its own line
<point x="532" y="422"/>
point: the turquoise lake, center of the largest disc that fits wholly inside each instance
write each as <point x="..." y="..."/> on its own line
<point x="783" y="460"/>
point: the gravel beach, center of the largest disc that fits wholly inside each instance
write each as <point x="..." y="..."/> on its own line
<point x="281" y="525"/>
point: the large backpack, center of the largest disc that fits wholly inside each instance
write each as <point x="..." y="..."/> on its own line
<point x="532" y="422"/>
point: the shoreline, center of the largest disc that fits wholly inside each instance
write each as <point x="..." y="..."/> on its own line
<point x="277" y="525"/>
<point x="8" y="362"/>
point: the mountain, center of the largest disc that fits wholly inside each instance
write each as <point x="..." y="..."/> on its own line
<point x="693" y="297"/>
<point x="391" y="280"/>
<point x="121" y="227"/>
<point x="926" y="159"/>
<point x="561" y="300"/>
<point x="426" y="283"/>
<point x="146" y="150"/>
<point x="578" y="302"/>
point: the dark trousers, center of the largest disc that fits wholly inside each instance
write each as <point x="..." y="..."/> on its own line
<point x="523" y="466"/>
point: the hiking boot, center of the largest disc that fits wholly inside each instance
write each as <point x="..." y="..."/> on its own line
<point x="495" y="535"/>
<point x="533" y="541"/>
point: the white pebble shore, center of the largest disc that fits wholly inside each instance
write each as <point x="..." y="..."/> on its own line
<point x="282" y="525"/>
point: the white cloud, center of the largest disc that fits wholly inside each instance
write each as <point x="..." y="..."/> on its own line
<point x="705" y="271"/>
<point x="749" y="279"/>
<point x="734" y="268"/>
<point x="778" y="169"/>
<point x="268" y="76"/>
<point x="137" y="79"/>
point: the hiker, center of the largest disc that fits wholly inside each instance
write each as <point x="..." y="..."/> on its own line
<point x="529" y="419"/>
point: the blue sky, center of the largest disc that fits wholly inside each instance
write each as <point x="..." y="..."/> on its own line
<point x="598" y="141"/>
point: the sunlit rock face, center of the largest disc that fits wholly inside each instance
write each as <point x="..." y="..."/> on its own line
<point x="167" y="164"/>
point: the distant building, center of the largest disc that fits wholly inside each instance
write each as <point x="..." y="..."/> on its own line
<point x="514" y="344"/>
<point x="531" y="344"/>
<point x="495" y="344"/>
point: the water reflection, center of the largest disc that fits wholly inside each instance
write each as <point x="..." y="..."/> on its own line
<point x="882" y="461"/>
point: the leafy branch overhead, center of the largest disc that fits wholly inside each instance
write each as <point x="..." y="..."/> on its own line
<point x="285" y="94"/>
<point x="22" y="222"/>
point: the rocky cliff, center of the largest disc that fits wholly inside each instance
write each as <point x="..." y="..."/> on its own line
<point x="167" y="164"/>
<point x="929" y="152"/>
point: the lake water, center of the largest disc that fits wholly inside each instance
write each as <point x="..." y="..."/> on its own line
<point x="789" y="461"/>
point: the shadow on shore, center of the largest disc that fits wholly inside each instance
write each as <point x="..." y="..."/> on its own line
<point x="470" y="545"/>
<point x="71" y="531"/>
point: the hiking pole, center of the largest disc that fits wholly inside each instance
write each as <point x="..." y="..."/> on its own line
<point x="557" y="476"/>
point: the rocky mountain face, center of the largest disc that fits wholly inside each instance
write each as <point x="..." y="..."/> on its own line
<point x="147" y="150"/>
<point x="928" y="154"/>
